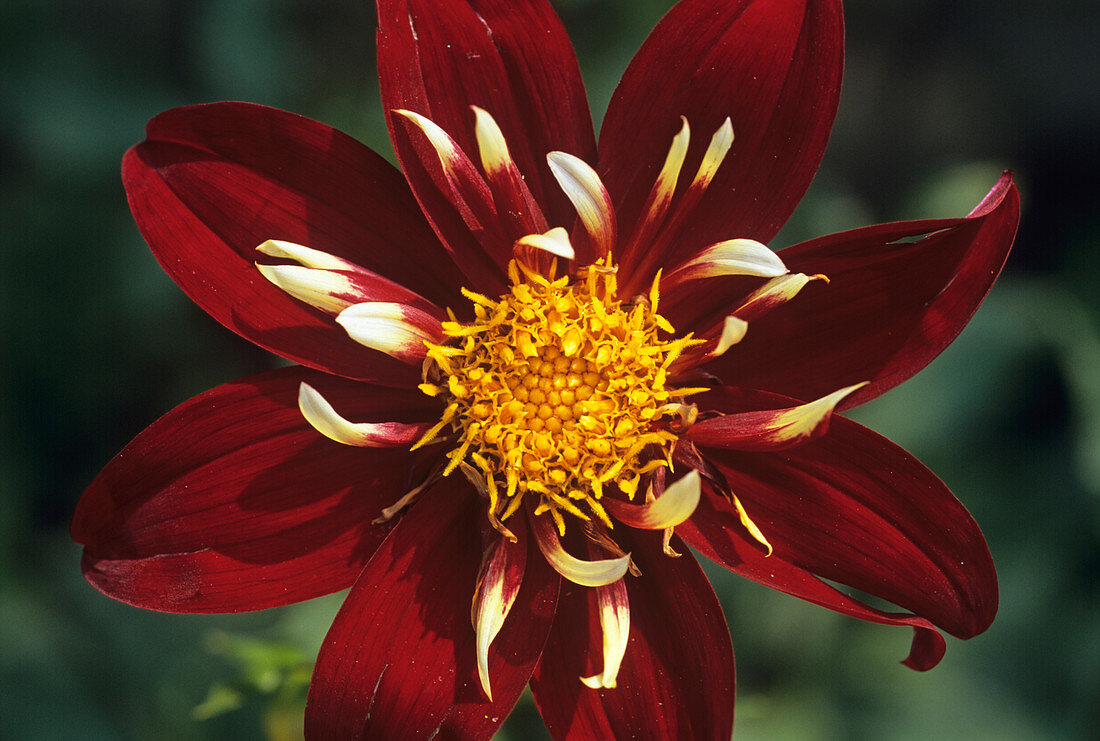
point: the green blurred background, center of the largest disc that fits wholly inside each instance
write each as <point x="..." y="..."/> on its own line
<point x="95" y="343"/>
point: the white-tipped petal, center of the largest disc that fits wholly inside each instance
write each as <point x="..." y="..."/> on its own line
<point x="395" y="329"/>
<point x="802" y="422"/>
<point x="584" y="189"/>
<point x="585" y="573"/>
<point x="732" y="257"/>
<point x="665" y="184"/>
<point x="775" y="292"/>
<point x="444" y="146"/>
<point x="615" y="624"/>
<point x="490" y="142"/>
<point x="772" y="429"/>
<point x="322" y="289"/>
<point x="555" y="241"/>
<point x="733" y="331"/>
<point x="719" y="147"/>
<point x="305" y="256"/>
<point x="498" y="584"/>
<point x="675" y="505"/>
<point x="323" y="418"/>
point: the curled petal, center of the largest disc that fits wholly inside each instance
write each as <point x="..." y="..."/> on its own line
<point x="305" y="256"/>
<point x="585" y="573"/>
<point x="772" y="429"/>
<point x="330" y="283"/>
<point x="732" y="257"/>
<point x="733" y="331"/>
<point x="322" y="289"/>
<point x="498" y="584"/>
<point x="395" y="329"/>
<point x="775" y="292"/>
<point x="668" y="510"/>
<point x="583" y="187"/>
<point x="555" y="241"/>
<point x="614" y="607"/>
<point x="320" y="414"/>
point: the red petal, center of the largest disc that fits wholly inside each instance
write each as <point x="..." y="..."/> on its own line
<point x="890" y="307"/>
<point x="511" y="59"/>
<point x="855" y="508"/>
<point x="716" y="532"/>
<point x="399" y="660"/>
<point x="773" y="67"/>
<point x="210" y="183"/>
<point x="232" y="502"/>
<point x="677" y="678"/>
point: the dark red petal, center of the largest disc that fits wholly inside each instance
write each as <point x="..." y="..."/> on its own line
<point x="677" y="678"/>
<point x="232" y="502"/>
<point x="891" y="306"/>
<point x="399" y="661"/>
<point x="210" y="183"/>
<point x="512" y="59"/>
<point x="854" y="508"/>
<point x="773" y="67"/>
<point x="716" y="532"/>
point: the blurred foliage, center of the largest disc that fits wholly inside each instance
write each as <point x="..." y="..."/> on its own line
<point x="96" y="342"/>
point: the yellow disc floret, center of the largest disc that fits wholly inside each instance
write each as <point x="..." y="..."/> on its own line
<point x="558" y="391"/>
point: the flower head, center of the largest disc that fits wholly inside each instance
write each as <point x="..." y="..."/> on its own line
<point x="532" y="369"/>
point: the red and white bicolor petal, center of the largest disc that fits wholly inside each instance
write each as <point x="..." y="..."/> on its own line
<point x="614" y="607"/>
<point x="323" y="418"/>
<point x="396" y="329"/>
<point x="775" y="429"/>
<point x="513" y="197"/>
<point x="731" y="257"/>
<point x="660" y="197"/>
<point x="586" y="573"/>
<point x="672" y="507"/>
<point x="498" y="585"/>
<point x="555" y="241"/>
<point x="328" y="282"/>
<point x="465" y="186"/>
<point x="584" y="189"/>
<point x="774" y="293"/>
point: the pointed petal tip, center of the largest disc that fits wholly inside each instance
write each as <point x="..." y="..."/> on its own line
<point x="672" y="508"/>
<point x="585" y="573"/>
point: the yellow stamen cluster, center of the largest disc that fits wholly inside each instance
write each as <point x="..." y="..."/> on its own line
<point x="556" y="389"/>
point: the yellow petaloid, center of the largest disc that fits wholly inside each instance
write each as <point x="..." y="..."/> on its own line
<point x="555" y="390"/>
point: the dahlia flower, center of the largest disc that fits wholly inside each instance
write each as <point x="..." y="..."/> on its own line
<point x="532" y="371"/>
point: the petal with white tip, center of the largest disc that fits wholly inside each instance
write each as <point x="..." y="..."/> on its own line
<point x="584" y="189"/>
<point x="320" y="414"/>
<point x="674" y="506"/>
<point x="395" y="329"/>
<point x="498" y="584"/>
<point x="585" y="573"/>
<point x="774" y="429"/>
<point x="614" y="609"/>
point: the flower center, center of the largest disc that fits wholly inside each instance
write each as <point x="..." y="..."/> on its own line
<point x="557" y="390"/>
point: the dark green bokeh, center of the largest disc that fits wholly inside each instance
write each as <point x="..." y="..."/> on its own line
<point x="97" y="342"/>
